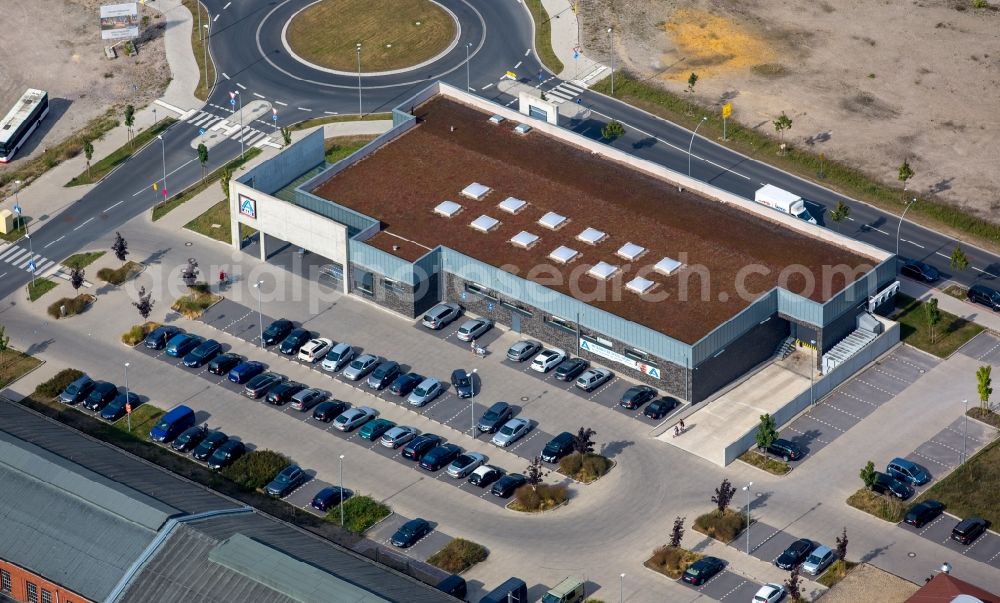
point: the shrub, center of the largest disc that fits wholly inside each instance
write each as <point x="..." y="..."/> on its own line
<point x="360" y="513"/>
<point x="117" y="276"/>
<point x="255" y="469"/>
<point x="73" y="305"/>
<point x="888" y="508"/>
<point x="584" y="467"/>
<point x="54" y="386"/>
<point x="671" y="560"/>
<point x="138" y="332"/>
<point x="459" y="555"/>
<point x="195" y="303"/>
<point x="571" y="465"/>
<point x="724" y="526"/>
<point x="539" y="498"/>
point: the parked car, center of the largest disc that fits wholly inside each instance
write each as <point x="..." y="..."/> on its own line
<point x="795" y="554"/>
<point x="522" y="350"/>
<point x="702" y="570"/>
<point x="330" y="497"/>
<point x="440" y="315"/>
<point x="397" y="436"/>
<point x="463" y="384"/>
<point x="288" y="479"/>
<point x="887" y="484"/>
<point x="495" y="417"/>
<point x="786" y="449"/>
<point x="205" y="351"/>
<point x="158" y="337"/>
<point x="283" y="392"/>
<point x="907" y="471"/>
<point x="258" y="386"/>
<point x="439" y="456"/>
<point x="410" y="532"/>
<point x="315" y="349"/>
<point x="116" y="409"/>
<point x="245" y="371"/>
<point x="923" y="513"/>
<point x="636" y="396"/>
<point x="338" y="357"/>
<point x="968" y="530"/>
<point x="465" y="464"/>
<point x="294" y="341"/>
<point x="307" y="398"/>
<point x="373" y="430"/>
<point x="424" y="393"/>
<point x="920" y="271"/>
<point x="384" y="374"/>
<point x="506" y="485"/>
<point x="191" y="437"/>
<point x="593" y="378"/>
<point x="329" y="410"/>
<point x="981" y="294"/>
<point x="474" y="328"/>
<point x="818" y="560"/>
<point x="511" y="432"/>
<point x="546" y="360"/>
<point x="100" y="394"/>
<point x="172" y="424"/>
<point x="277" y="331"/>
<point x="558" y="447"/>
<point x="419" y="445"/>
<point x="661" y="407"/>
<point x="182" y="343"/>
<point x="361" y="366"/>
<point x="404" y="384"/>
<point x="223" y="363"/>
<point x="209" y="445"/>
<point x="226" y="454"/>
<point x="352" y="418"/>
<point x="769" y="593"/>
<point x="570" y="369"/>
<point x="78" y="390"/>
<point x="484" y="475"/>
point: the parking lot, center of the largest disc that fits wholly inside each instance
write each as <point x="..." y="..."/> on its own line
<point x="985" y="549"/>
<point x="727" y="586"/>
<point x="984" y="347"/>
<point x="943" y="452"/>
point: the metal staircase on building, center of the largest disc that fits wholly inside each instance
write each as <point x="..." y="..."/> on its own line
<point x="785" y="348"/>
<point x="846" y="348"/>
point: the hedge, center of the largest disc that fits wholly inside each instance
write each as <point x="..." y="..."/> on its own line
<point x="256" y="469"/>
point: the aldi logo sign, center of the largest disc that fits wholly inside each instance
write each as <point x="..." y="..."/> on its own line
<point x="248" y="207"/>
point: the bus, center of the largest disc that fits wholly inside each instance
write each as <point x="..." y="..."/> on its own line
<point x="21" y="121"/>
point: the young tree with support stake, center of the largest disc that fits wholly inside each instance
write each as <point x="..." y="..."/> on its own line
<point x="985" y="386"/>
<point x="794" y="585"/>
<point x="868" y="474"/>
<point x="583" y="441"/>
<point x="723" y="495"/>
<point x="780" y="125"/>
<point x="767" y="432"/>
<point x="905" y="173"/>
<point x="129" y="122"/>
<point x="840" y="213"/>
<point x="76" y="278"/>
<point x="4" y="346"/>
<point x="535" y="473"/>
<point x="959" y="261"/>
<point x="88" y="152"/>
<point x="933" y="315"/>
<point x="677" y="532"/>
<point x="202" y="159"/>
<point x="120" y="247"/>
<point x="145" y="303"/>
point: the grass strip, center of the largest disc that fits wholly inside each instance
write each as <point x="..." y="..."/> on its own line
<point x="40" y="287"/>
<point x="14" y="365"/>
<point x="836" y="572"/>
<point x="339" y="147"/>
<point x="951" y="333"/>
<point x="214" y="223"/>
<point x="80" y="261"/>
<point x="144" y="417"/>
<point x="360" y="513"/>
<point x="138" y="333"/>
<point x="543" y="36"/>
<point x="672" y="561"/>
<point x="173" y="203"/>
<point x="887" y="508"/>
<point x="117" y="276"/>
<point x="335" y="119"/>
<point x="103" y="167"/>
<point x="760" y="461"/>
<point x="198" y="47"/>
<point x="70" y="305"/>
<point x="458" y="555"/>
<point x="195" y="303"/>
<point x="970" y="490"/>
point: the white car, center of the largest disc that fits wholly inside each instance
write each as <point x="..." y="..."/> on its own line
<point x="546" y="360"/>
<point x="354" y="417"/>
<point x="314" y="349"/>
<point x="511" y="432"/>
<point x="769" y="593"/>
<point x="427" y="390"/>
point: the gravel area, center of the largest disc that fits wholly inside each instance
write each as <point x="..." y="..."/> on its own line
<point x="869" y="583"/>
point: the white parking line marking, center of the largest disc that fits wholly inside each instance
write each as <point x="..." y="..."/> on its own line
<point x="331" y="112"/>
<point x="258" y="95"/>
<point x="518" y="64"/>
<point x="215" y="19"/>
<point x="527" y="52"/>
<point x="115" y="205"/>
<point x="281" y="103"/>
<point x="303" y="109"/>
<point x="241" y="86"/>
<point x="54" y="242"/>
<point x="225" y="75"/>
<point x="490" y="85"/>
<point x="226" y="6"/>
<point x="82" y="225"/>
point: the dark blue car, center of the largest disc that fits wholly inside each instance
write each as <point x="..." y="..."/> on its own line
<point x="202" y="354"/>
<point x="159" y="336"/>
<point x="182" y="343"/>
<point x="245" y="371"/>
<point x="116" y="408"/>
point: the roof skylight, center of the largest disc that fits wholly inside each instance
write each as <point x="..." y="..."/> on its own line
<point x="484" y="223"/>
<point x="667" y="266"/>
<point x="630" y="251"/>
<point x="591" y="236"/>
<point x="512" y="205"/>
<point x="563" y="254"/>
<point x="476" y="191"/>
<point x="602" y="270"/>
<point x="447" y="209"/>
<point x="552" y="220"/>
<point x="639" y="285"/>
<point x="524" y="239"/>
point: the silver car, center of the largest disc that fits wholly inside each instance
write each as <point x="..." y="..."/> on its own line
<point x="353" y="417"/>
<point x="425" y="391"/>
<point x="440" y="315"/>
<point x="338" y="357"/>
<point x="397" y="436"/>
<point x="511" y="432"/>
<point x="818" y="560"/>
<point x="465" y="464"/>
<point x="360" y="367"/>
<point x="522" y="350"/>
<point x="474" y="328"/>
<point x="593" y="378"/>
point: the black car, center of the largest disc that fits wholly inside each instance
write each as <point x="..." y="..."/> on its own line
<point x="258" y="386"/>
<point x="158" y="337"/>
<point x="702" y="570"/>
<point x="981" y="294"/>
<point x="190" y="438"/>
<point x="968" y="530"/>
<point x="795" y="554"/>
<point x="462" y="382"/>
<point x="281" y="393"/>
<point x="295" y="339"/>
<point x="660" y="408"/>
<point x="570" y="369"/>
<point x="226" y="454"/>
<point x="410" y="532"/>
<point x="330" y="497"/>
<point x="439" y="456"/>
<point x="328" y="411"/>
<point x="404" y="384"/>
<point x="485" y="475"/>
<point x="506" y="485"/>
<point x="923" y="513"/>
<point x="223" y="363"/>
<point x="202" y="354"/>
<point x="790" y="451"/>
<point x="419" y="445"/>
<point x="887" y="484"/>
<point x="494" y="417"/>
<point x="384" y="374"/>
<point x="102" y="393"/>
<point x="558" y="447"/>
<point x="277" y="330"/>
<point x="209" y="445"/>
<point x="116" y="408"/>
<point x="920" y="271"/>
<point x="288" y="479"/>
<point x="636" y="396"/>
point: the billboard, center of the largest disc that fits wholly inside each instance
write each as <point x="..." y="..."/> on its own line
<point x="614" y="356"/>
<point x="119" y="21"/>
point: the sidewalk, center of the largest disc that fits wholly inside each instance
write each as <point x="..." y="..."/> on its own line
<point x="965" y="309"/>
<point x="566" y="38"/>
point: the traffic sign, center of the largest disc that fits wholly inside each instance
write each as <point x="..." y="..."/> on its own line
<point x="31" y="265"/>
<point x="201" y="131"/>
<point x="17" y="209"/>
<point x="727" y="110"/>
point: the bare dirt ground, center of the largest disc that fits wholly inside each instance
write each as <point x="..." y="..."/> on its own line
<point x="56" y="45"/>
<point x="868" y="83"/>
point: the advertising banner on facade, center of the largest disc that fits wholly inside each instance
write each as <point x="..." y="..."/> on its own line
<point x="119" y="21"/>
<point x="614" y="356"/>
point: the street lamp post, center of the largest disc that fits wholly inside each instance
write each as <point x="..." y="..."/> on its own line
<point x="468" y="84"/>
<point x="611" y="49"/>
<point x="621" y="588"/>
<point x="341" y="490"/>
<point x="746" y="489"/>
<point x="163" y="155"/>
<point x="691" y="144"/>
<point x="472" y="403"/>
<point x="128" y="412"/>
<point x="812" y="372"/>
<point x="900" y="227"/>
<point x="965" y="431"/>
<point x="242" y="137"/>
<point x="206" y="33"/>
<point x="31" y="254"/>
<point x="359" y="78"/>
<point x="260" y="316"/>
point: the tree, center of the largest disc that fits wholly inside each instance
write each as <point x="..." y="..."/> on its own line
<point x="129" y="121"/>
<point x="88" y="152"/>
<point x="286" y="135"/>
<point x="780" y="125"/>
<point x="76" y="278"/>
<point x="723" y="494"/>
<point x="959" y="261"/>
<point x="612" y="130"/>
<point x="535" y="473"/>
<point x="145" y="303"/>
<point x="677" y="532"/>
<point x="932" y="314"/>
<point x="840" y="213"/>
<point x="120" y="247"/>
<point x="985" y="385"/>
<point x="767" y="432"/>
<point x="583" y="441"/>
<point x="224" y="181"/>
<point x="868" y="474"/>
<point x="905" y="173"/>
<point x="4" y="346"/>
<point x="202" y="159"/>
<point x="794" y="585"/>
<point x="692" y="80"/>
<point x="842" y="545"/>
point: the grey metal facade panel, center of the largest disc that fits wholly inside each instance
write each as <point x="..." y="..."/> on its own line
<point x="354" y="221"/>
<point x="380" y="262"/>
<point x="710" y="345"/>
<point x="429" y="264"/>
<point x="859" y="291"/>
<point x="275" y="173"/>
<point x="799" y="308"/>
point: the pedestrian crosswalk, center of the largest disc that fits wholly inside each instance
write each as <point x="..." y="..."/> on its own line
<point x="244" y="134"/>
<point x="24" y="259"/>
<point x="565" y="91"/>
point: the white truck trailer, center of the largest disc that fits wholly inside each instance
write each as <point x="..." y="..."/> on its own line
<point x="783" y="201"/>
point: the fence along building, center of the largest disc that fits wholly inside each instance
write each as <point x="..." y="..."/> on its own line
<point x="622" y="261"/>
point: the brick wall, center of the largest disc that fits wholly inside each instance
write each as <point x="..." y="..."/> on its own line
<point x="23" y="581"/>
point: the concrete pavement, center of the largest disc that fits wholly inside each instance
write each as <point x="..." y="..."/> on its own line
<point x="973" y="312"/>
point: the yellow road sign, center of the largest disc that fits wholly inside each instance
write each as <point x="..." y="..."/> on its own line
<point x="154" y="186"/>
<point x="511" y="75"/>
<point x="727" y="110"/>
